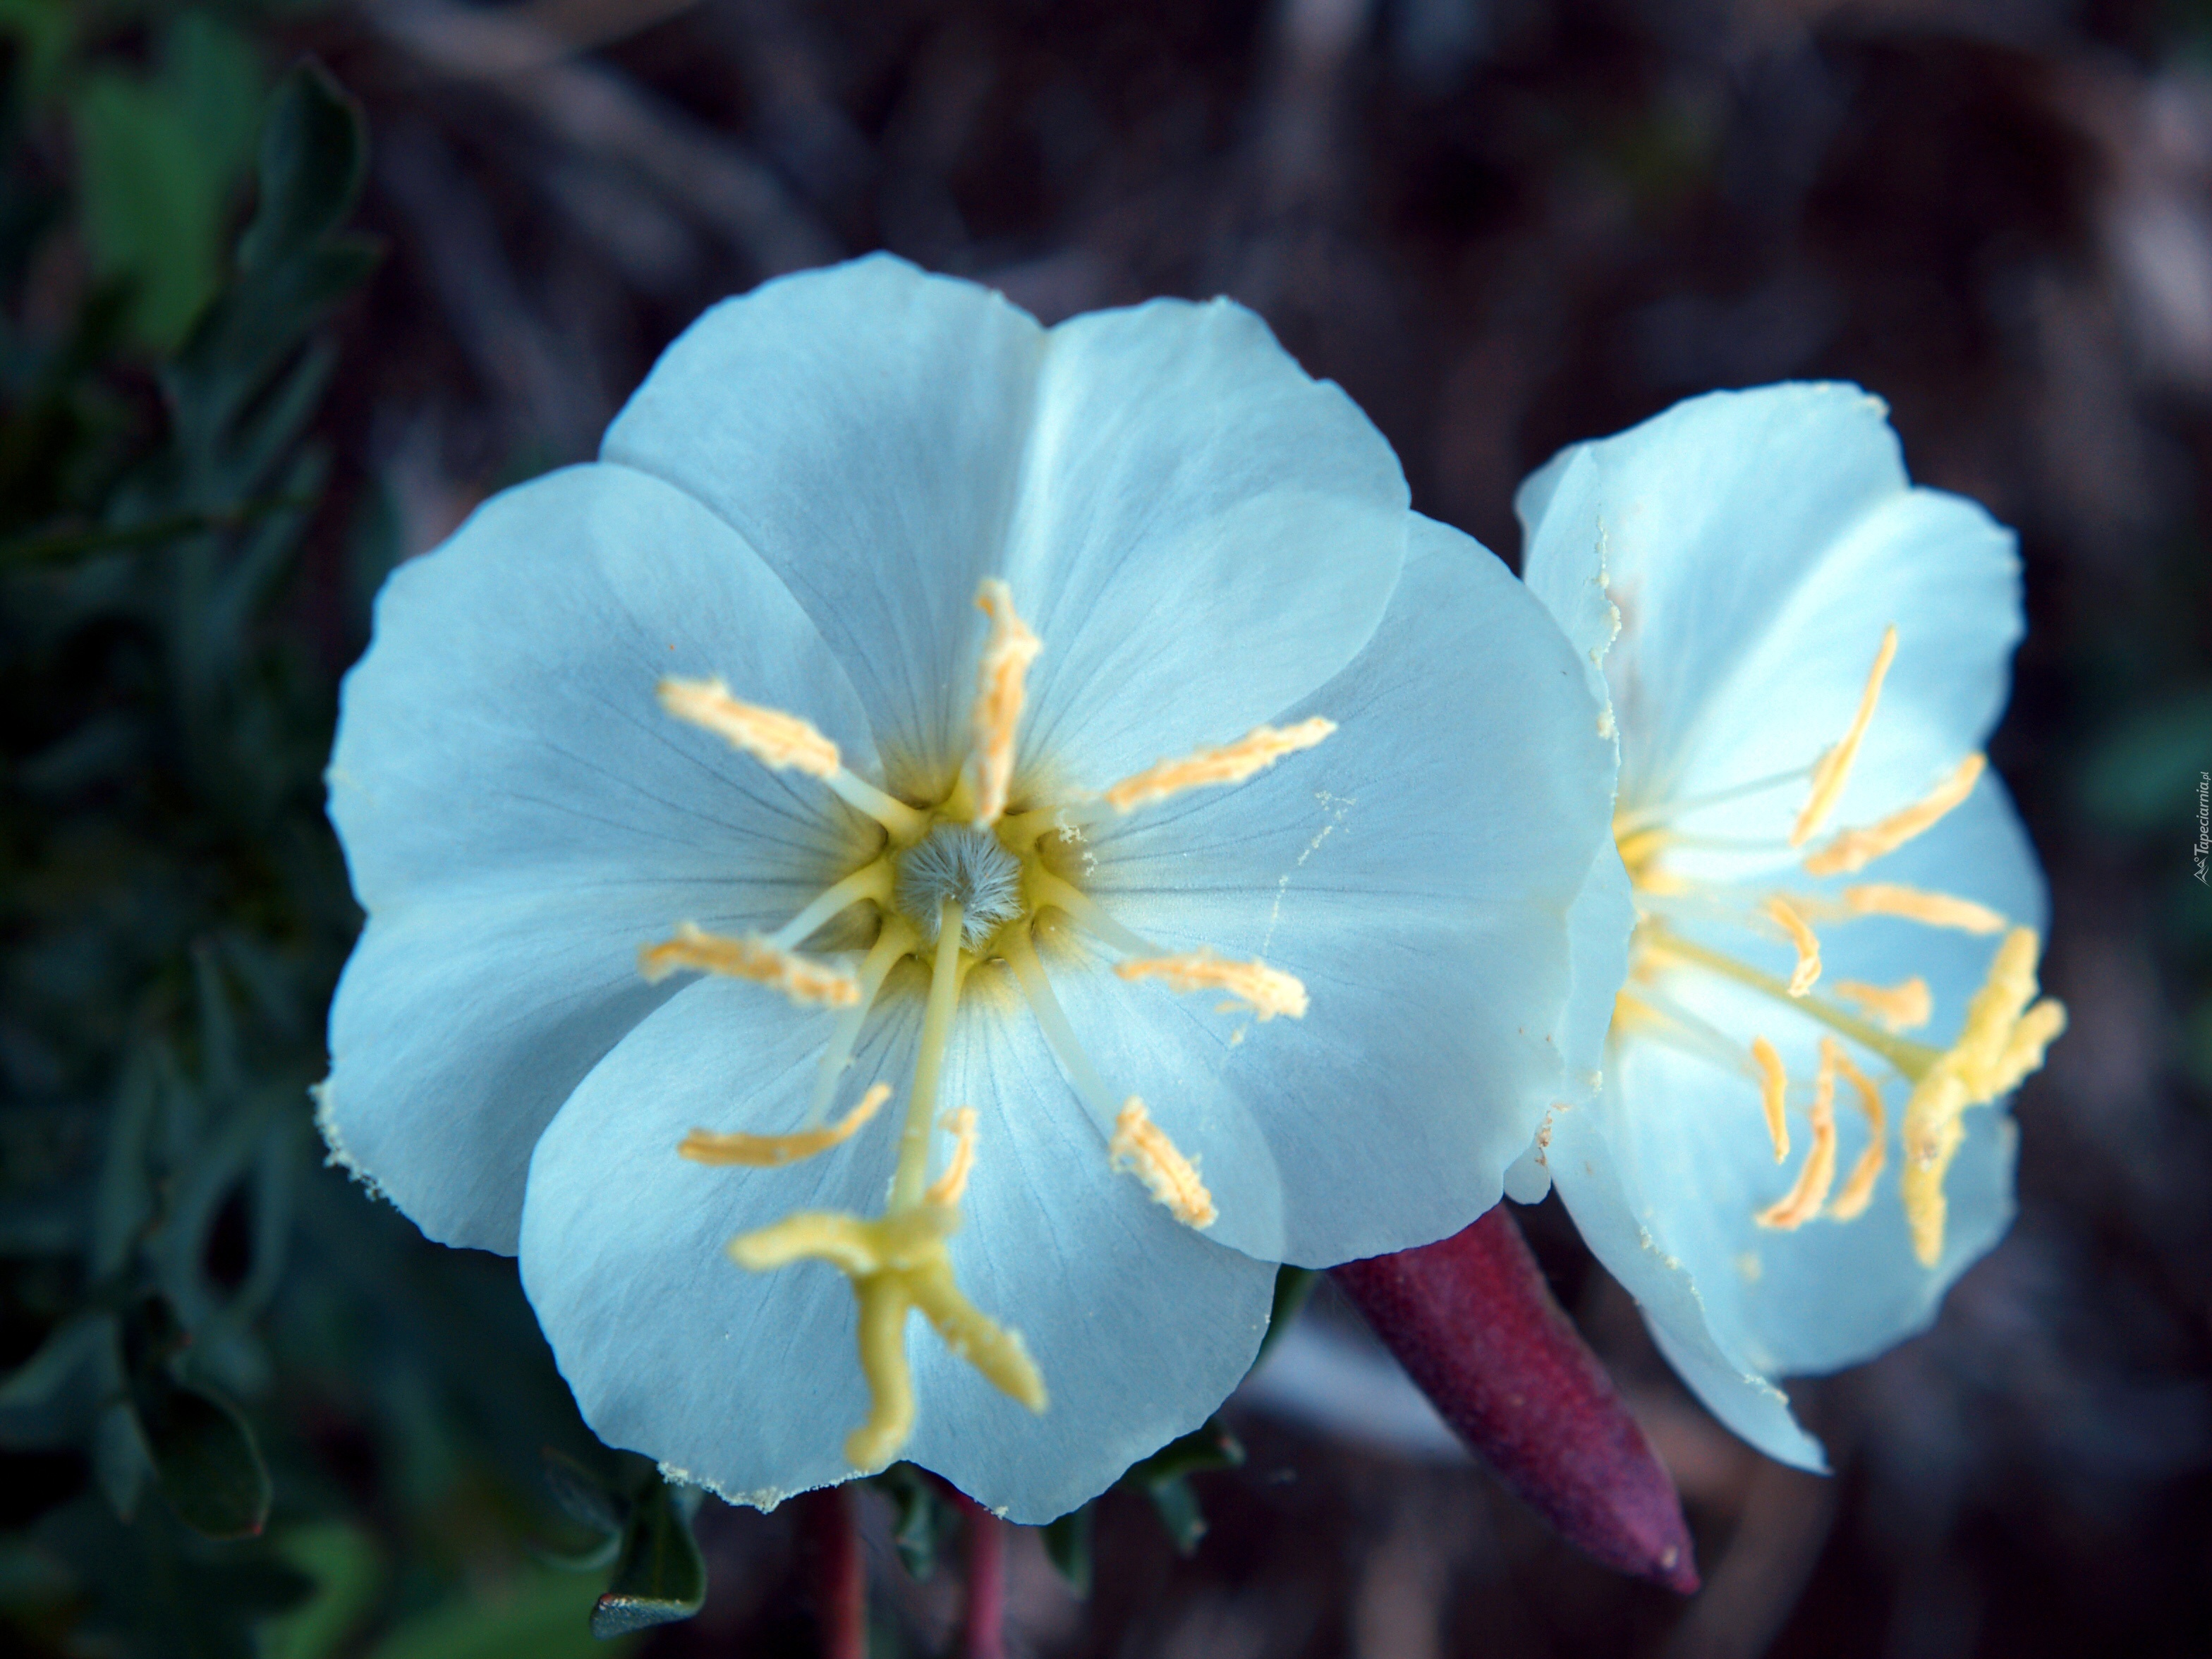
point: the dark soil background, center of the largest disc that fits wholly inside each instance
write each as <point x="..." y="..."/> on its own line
<point x="1502" y="225"/>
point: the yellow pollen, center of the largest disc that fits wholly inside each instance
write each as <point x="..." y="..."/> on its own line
<point x="1773" y="1084"/>
<point x="1903" y="1007"/>
<point x="1811" y="1191"/>
<point x="1858" y="1190"/>
<point x="950" y="1186"/>
<point x="2006" y="1033"/>
<point x="769" y="735"/>
<point x="1141" y="1145"/>
<point x="1883" y="898"/>
<point x="1834" y="769"/>
<point x="999" y="696"/>
<point x="773" y="1151"/>
<point x="897" y="1263"/>
<point x="1854" y="849"/>
<point x="1266" y="991"/>
<point x="1807" y="973"/>
<point x="1256" y="751"/>
<point x="804" y="980"/>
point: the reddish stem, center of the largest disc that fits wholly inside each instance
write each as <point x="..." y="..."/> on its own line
<point x="984" y="1634"/>
<point x="831" y="1531"/>
<point x="1473" y="1322"/>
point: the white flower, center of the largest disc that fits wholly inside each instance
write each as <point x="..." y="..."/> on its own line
<point x="1836" y="914"/>
<point x="888" y="617"/>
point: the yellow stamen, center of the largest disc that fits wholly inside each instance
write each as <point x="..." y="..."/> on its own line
<point x="1141" y="1145"/>
<point x="1804" y="1199"/>
<point x="1773" y="1084"/>
<point x="1858" y="1190"/>
<point x="950" y="1186"/>
<point x="1833" y="770"/>
<point x="769" y="735"/>
<point x="2003" y="1040"/>
<point x="999" y="696"/>
<point x="1266" y="991"/>
<point x="1807" y="973"/>
<point x="896" y="1264"/>
<point x="1883" y="898"/>
<point x="1854" y="849"/>
<point x="1902" y="1007"/>
<point x="1232" y="762"/>
<point x="773" y="1151"/>
<point x="803" y="980"/>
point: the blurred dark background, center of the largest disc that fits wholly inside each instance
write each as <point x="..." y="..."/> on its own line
<point x="1501" y="225"/>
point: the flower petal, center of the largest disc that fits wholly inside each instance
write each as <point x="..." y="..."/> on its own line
<point x="1676" y="1162"/>
<point x="1416" y="873"/>
<point x="863" y="428"/>
<point x="749" y="1382"/>
<point x="1204" y="535"/>
<point x="520" y="817"/>
<point x="1758" y="544"/>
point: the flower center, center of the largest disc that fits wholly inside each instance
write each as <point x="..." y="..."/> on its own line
<point x="962" y="871"/>
<point x="2006" y="1027"/>
<point x="967" y="864"/>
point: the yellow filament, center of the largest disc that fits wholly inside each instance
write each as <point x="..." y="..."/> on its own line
<point x="999" y="696"/>
<point x="896" y="1264"/>
<point x="952" y="1185"/>
<point x="1854" y="849"/>
<point x="1773" y="1084"/>
<point x="1883" y="898"/>
<point x="1804" y="1198"/>
<point x="805" y="981"/>
<point x="773" y="1151"/>
<point x="1232" y="762"/>
<point x="1141" y="1145"/>
<point x="1858" y="1190"/>
<point x="1903" y="1007"/>
<point x="769" y="735"/>
<point x="1266" y="991"/>
<point x="1807" y="973"/>
<point x="2006" y="1033"/>
<point x="1834" y="769"/>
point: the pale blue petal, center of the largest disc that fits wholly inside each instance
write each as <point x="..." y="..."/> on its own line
<point x="1757" y="543"/>
<point x="751" y="1383"/>
<point x="1562" y="516"/>
<point x="863" y="427"/>
<point x="1416" y="871"/>
<point x="1613" y="1216"/>
<point x="520" y="817"/>
<point x="1204" y="535"/>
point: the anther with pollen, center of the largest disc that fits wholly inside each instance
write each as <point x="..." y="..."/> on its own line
<point x="1232" y="762"/>
<point x="774" y="1151"/>
<point x="805" y="981"/>
<point x="1807" y="973"/>
<point x="1805" y="1198"/>
<point x="1773" y="1090"/>
<point x="1905" y="1006"/>
<point x="769" y="735"/>
<point x="1888" y="898"/>
<point x="1854" y="849"/>
<point x="1141" y="1145"/>
<point x="1834" y="769"/>
<point x="1266" y="991"/>
<point x="1858" y="1189"/>
<point x="999" y="694"/>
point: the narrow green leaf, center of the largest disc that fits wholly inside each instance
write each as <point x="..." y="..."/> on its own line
<point x="582" y="1495"/>
<point x="661" y="1578"/>
<point x="1293" y="1286"/>
<point x="71" y="1347"/>
<point x="922" y="1522"/>
<point x="1068" y="1547"/>
<point x="1163" y="1477"/>
<point x="315" y="152"/>
<point x="1178" y="1509"/>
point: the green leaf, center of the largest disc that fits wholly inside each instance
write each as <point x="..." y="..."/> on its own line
<point x="314" y="155"/>
<point x="72" y="1346"/>
<point x="661" y="1578"/>
<point x="542" y="1616"/>
<point x="922" y="1522"/>
<point x="582" y="1495"/>
<point x="1068" y="1547"/>
<point x="1293" y="1286"/>
<point x="342" y="1563"/>
<point x="1163" y="1477"/>
<point x="205" y="1460"/>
